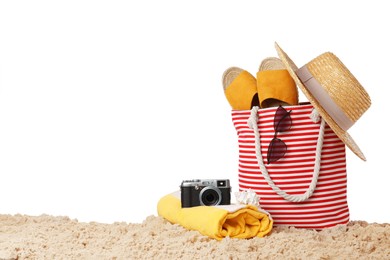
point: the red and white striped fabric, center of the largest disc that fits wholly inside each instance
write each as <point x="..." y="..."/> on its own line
<point x="293" y="173"/>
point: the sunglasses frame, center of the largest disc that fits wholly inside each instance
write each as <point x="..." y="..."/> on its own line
<point x="277" y="148"/>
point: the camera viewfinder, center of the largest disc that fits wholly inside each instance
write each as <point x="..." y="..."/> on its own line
<point x="221" y="183"/>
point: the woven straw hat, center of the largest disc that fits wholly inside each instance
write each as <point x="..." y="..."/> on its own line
<point x="333" y="91"/>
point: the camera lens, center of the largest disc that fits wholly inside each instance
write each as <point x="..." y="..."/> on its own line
<point x="210" y="196"/>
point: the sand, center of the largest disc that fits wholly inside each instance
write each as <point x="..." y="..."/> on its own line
<point x="52" y="237"/>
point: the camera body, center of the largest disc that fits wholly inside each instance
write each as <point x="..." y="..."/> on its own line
<point x="205" y="192"/>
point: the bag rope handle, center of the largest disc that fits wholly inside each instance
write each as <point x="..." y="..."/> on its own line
<point x="252" y="122"/>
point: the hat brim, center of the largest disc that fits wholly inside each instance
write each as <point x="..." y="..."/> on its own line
<point x="341" y="133"/>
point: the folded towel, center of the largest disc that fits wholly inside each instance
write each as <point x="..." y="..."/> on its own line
<point x="235" y="221"/>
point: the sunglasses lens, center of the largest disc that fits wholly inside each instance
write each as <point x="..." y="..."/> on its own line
<point x="282" y="120"/>
<point x="276" y="150"/>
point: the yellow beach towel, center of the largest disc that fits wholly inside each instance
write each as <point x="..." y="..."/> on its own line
<point x="235" y="221"/>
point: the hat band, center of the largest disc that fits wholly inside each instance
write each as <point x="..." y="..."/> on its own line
<point x="326" y="101"/>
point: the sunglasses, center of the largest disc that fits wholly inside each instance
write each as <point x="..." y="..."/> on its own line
<point x="282" y="123"/>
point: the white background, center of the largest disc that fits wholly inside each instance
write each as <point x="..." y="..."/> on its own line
<point x="106" y="106"/>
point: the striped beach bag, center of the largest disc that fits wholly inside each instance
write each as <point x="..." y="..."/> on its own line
<point x="305" y="183"/>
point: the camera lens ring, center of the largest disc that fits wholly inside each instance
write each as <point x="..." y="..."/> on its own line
<point x="206" y="191"/>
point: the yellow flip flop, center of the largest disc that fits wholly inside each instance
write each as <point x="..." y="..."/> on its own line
<point x="275" y="86"/>
<point x="240" y="88"/>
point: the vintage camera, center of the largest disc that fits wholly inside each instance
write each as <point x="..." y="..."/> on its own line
<point x="205" y="193"/>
